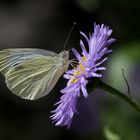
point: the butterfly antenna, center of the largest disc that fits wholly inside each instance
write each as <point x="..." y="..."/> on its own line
<point x="69" y="34"/>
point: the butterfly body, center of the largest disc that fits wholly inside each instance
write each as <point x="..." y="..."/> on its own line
<point x="32" y="73"/>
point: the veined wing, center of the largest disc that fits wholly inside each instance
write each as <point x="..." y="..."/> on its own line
<point x="35" y="78"/>
<point x="11" y="57"/>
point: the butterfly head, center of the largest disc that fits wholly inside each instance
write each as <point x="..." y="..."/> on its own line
<point x="64" y="58"/>
<point x="64" y="54"/>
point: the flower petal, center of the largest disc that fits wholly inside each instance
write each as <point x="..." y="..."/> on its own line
<point x="84" y="35"/>
<point x="84" y="91"/>
<point x="78" y="56"/>
<point x="84" y="51"/>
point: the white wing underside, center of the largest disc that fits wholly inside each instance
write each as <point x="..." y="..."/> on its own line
<point x="30" y="73"/>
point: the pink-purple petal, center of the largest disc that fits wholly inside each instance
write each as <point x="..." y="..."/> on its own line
<point x="84" y="35"/>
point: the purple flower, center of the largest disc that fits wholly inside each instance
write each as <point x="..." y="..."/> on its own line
<point x="88" y="66"/>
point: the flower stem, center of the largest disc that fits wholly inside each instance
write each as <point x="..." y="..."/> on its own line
<point x="119" y="94"/>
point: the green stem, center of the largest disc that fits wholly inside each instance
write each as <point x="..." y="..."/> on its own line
<point x="117" y="93"/>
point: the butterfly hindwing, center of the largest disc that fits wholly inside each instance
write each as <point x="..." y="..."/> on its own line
<point x="34" y="78"/>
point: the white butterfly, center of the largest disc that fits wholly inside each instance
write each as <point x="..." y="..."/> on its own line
<point x="32" y="73"/>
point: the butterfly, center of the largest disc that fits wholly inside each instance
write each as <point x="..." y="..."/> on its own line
<point x="32" y="73"/>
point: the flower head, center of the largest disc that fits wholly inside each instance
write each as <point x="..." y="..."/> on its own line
<point x="88" y="66"/>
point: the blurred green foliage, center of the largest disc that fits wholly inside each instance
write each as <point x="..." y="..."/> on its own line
<point x="110" y="135"/>
<point x="88" y="5"/>
<point x="127" y="58"/>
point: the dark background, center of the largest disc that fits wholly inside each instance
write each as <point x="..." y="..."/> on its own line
<point x="45" y="24"/>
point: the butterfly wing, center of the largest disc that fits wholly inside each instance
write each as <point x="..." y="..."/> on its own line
<point x="31" y="77"/>
<point x="35" y="78"/>
<point x="12" y="57"/>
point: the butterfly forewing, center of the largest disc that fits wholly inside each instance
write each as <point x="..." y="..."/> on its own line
<point x="12" y="57"/>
